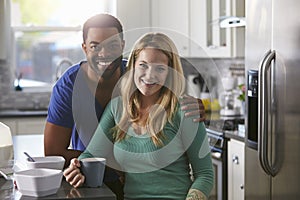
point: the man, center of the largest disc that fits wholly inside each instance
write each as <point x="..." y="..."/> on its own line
<point x="81" y="94"/>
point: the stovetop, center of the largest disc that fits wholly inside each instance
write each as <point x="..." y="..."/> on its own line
<point x="221" y="125"/>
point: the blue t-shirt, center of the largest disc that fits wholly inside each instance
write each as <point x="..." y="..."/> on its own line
<point x="73" y="105"/>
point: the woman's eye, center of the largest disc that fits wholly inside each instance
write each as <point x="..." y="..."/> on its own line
<point x="161" y="69"/>
<point x="143" y="65"/>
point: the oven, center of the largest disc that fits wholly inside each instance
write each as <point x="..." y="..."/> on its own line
<point x="218" y="146"/>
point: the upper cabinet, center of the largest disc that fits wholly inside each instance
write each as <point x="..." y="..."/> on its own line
<point x="172" y="18"/>
<point x="135" y="17"/>
<point x="192" y="24"/>
<point x="206" y="33"/>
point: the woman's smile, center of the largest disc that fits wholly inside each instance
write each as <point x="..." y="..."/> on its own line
<point x="151" y="71"/>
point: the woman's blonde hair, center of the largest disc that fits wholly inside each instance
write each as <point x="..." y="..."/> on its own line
<point x="169" y="94"/>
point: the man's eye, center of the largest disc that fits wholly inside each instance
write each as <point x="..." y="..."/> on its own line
<point x="94" y="47"/>
<point x="114" y="46"/>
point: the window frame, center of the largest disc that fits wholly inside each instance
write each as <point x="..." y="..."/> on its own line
<point x="14" y="29"/>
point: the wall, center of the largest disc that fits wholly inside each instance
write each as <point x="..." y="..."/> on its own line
<point x="11" y="99"/>
<point x="215" y="68"/>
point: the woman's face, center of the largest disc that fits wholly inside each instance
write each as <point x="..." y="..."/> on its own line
<point x="150" y="71"/>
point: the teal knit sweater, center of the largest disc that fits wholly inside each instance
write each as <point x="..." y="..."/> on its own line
<point x="153" y="172"/>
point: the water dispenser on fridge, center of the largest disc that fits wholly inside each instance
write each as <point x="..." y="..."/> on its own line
<point x="252" y="109"/>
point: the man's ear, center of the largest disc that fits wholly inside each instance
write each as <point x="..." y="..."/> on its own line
<point x="83" y="46"/>
<point x="123" y="45"/>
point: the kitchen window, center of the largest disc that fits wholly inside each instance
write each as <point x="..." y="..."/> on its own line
<point x="46" y="38"/>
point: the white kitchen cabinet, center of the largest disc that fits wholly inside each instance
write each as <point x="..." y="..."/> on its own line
<point x="168" y="16"/>
<point x="236" y="167"/>
<point x="172" y="18"/>
<point x="135" y="18"/>
<point x="192" y="24"/>
<point x="208" y="39"/>
<point x="25" y="125"/>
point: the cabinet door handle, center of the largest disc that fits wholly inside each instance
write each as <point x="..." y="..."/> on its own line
<point x="235" y="160"/>
<point x="242" y="187"/>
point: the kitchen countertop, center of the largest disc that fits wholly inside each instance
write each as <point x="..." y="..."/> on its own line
<point x="23" y="113"/>
<point x="33" y="144"/>
<point x="234" y="135"/>
<point x="214" y="117"/>
<point x="66" y="191"/>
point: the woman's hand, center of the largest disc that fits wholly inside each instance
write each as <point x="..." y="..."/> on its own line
<point x="74" y="193"/>
<point x="73" y="174"/>
<point x="193" y="107"/>
<point x="195" y="195"/>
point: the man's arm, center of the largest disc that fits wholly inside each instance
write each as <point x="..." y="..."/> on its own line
<point x="194" y="108"/>
<point x="56" y="142"/>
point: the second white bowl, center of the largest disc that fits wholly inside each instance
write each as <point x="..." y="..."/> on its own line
<point x="50" y="162"/>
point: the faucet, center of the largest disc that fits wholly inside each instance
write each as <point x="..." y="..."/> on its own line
<point x="18" y="86"/>
<point x="63" y="64"/>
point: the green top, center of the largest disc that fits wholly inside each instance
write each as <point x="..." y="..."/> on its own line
<point x="151" y="171"/>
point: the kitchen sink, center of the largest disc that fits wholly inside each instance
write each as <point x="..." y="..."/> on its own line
<point x="23" y="112"/>
<point x="32" y="109"/>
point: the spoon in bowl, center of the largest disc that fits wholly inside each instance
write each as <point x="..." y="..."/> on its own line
<point x="29" y="157"/>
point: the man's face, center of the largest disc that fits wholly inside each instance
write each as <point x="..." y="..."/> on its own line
<point x="103" y="48"/>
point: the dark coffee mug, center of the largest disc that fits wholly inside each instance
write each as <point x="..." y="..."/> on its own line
<point x="93" y="170"/>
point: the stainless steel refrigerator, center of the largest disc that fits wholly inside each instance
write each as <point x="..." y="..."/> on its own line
<point x="272" y="61"/>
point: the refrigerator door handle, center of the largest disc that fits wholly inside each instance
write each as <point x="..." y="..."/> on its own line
<point x="263" y="112"/>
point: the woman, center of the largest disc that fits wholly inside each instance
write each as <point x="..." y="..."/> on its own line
<point x="146" y="131"/>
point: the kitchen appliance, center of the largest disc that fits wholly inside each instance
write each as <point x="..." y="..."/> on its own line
<point x="252" y="96"/>
<point x="195" y="83"/>
<point x="6" y="145"/>
<point x="226" y="100"/>
<point x="272" y="153"/>
<point x="218" y="145"/>
<point x="228" y="97"/>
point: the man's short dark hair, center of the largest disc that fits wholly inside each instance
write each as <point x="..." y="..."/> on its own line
<point x="102" y="21"/>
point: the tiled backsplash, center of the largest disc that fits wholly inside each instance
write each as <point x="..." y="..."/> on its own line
<point x="11" y="99"/>
<point x="213" y="70"/>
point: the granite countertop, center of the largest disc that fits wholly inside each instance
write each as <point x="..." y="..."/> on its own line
<point x="235" y="135"/>
<point x="66" y="191"/>
<point x="33" y="144"/>
<point x="217" y="122"/>
<point x="23" y="113"/>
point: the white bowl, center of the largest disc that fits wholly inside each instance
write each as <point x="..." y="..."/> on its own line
<point x="38" y="182"/>
<point x="50" y="162"/>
